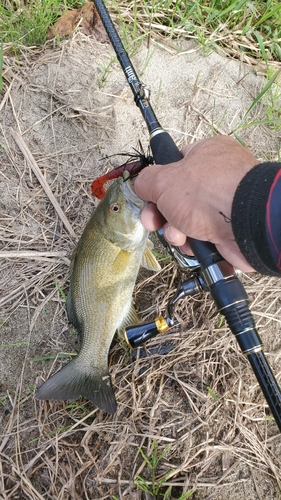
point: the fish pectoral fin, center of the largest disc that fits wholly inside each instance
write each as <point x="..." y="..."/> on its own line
<point x="132" y="318"/>
<point x="70" y="382"/>
<point x="149" y="261"/>
<point x="121" y="261"/>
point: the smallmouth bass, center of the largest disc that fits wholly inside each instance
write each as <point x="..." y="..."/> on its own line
<point x="103" y="272"/>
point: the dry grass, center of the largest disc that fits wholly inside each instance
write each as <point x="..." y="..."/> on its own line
<point x="223" y="442"/>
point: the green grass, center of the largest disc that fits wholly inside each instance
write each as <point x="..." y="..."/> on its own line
<point x="272" y="99"/>
<point x="61" y="292"/>
<point x="1" y="80"/>
<point x="29" y="26"/>
<point x="213" y="394"/>
<point x="155" y="486"/>
<point x="250" y="27"/>
<point x="53" y="356"/>
<point x="238" y="26"/>
<point x="15" y="344"/>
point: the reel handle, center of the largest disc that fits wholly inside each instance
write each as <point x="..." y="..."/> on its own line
<point x="137" y="335"/>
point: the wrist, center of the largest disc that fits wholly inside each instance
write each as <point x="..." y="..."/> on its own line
<point x="249" y="218"/>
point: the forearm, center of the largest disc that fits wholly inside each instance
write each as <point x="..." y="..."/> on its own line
<point x="256" y="218"/>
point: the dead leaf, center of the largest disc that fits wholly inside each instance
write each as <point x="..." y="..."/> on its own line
<point x="86" y="19"/>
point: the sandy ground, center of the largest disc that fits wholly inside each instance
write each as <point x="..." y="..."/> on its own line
<point x="64" y="110"/>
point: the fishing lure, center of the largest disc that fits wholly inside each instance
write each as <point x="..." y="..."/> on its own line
<point x="133" y="167"/>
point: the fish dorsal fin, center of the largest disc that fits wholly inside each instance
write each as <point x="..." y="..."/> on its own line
<point x="148" y="259"/>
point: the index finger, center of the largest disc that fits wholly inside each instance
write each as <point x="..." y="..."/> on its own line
<point x="150" y="182"/>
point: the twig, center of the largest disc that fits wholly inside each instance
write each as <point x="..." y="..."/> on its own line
<point x="33" y="164"/>
<point x="31" y="254"/>
<point x="5" y="98"/>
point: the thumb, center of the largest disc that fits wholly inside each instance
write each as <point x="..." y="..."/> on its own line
<point x="148" y="185"/>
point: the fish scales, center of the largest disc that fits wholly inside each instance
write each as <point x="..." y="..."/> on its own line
<point x="101" y="322"/>
<point x="103" y="272"/>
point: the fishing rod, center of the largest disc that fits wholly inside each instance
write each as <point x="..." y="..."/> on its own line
<point x="211" y="272"/>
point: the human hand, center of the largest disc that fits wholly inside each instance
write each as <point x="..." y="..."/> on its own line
<point x="193" y="197"/>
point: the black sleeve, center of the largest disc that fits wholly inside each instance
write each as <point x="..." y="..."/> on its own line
<point x="256" y="218"/>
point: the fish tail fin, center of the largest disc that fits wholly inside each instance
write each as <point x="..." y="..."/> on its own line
<point x="71" y="382"/>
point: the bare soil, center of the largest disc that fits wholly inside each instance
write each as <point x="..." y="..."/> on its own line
<point x="63" y="110"/>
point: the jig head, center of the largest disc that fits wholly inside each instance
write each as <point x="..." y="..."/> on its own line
<point x="133" y="167"/>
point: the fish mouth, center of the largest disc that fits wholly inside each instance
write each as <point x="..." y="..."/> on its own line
<point x="129" y="193"/>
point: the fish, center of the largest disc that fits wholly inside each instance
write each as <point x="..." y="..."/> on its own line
<point x="103" y="272"/>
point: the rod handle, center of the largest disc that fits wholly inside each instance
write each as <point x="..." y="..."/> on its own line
<point x="163" y="148"/>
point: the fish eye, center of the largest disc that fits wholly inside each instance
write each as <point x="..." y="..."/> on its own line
<point x="114" y="208"/>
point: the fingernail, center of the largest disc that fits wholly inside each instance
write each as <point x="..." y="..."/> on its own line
<point x="172" y="235"/>
<point x="168" y="233"/>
